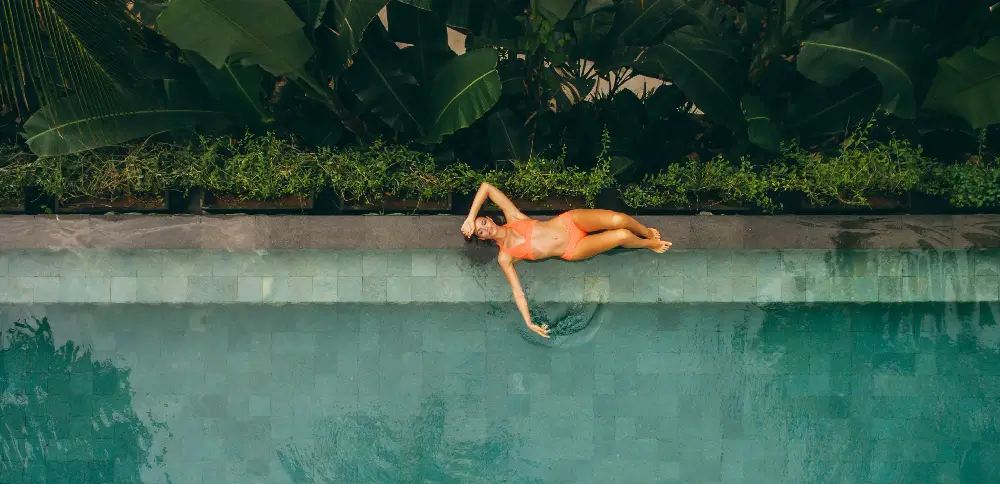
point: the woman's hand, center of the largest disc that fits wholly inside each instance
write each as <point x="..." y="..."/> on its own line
<point x="468" y="227"/>
<point x="542" y="330"/>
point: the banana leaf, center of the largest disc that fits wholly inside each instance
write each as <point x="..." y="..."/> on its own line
<point x="462" y="92"/>
<point x="967" y="85"/>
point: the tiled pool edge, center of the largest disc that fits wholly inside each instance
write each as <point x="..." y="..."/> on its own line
<point x="280" y="276"/>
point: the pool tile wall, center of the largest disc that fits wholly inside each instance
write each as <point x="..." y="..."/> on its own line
<point x="123" y="276"/>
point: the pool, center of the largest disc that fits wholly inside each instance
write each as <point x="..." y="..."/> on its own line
<point x="412" y="366"/>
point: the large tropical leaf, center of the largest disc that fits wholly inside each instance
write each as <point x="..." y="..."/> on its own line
<point x="708" y="73"/>
<point x="236" y="88"/>
<point x="462" y="92"/>
<point x="593" y="28"/>
<point x="493" y="19"/>
<point x="345" y="23"/>
<point x="823" y="111"/>
<point x="555" y="10"/>
<point x="426" y="33"/>
<point x="508" y="140"/>
<point x="65" y="128"/>
<point x="761" y="127"/>
<point x="891" y="52"/>
<point x="967" y="85"/>
<point x="310" y="11"/>
<point x="384" y="88"/>
<point x="264" y="32"/>
<point x="641" y="22"/>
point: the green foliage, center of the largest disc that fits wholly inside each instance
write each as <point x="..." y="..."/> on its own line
<point x="264" y="167"/>
<point x="862" y="168"/>
<point x="685" y="184"/>
<point x="108" y="174"/>
<point x="15" y="170"/>
<point x="539" y="177"/>
<point x="971" y="184"/>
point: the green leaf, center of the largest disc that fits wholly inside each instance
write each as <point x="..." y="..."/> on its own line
<point x="310" y="11"/>
<point x="493" y="19"/>
<point x="711" y="77"/>
<point x="967" y="85"/>
<point x="235" y="88"/>
<point x="421" y="4"/>
<point x="383" y="87"/>
<point x="64" y="129"/>
<point x="593" y="28"/>
<point x="415" y="26"/>
<point x="640" y="22"/>
<point x="825" y="111"/>
<point x="761" y="128"/>
<point x="264" y="32"/>
<point x="555" y="10"/>
<point x="508" y="141"/>
<point x="345" y="23"/>
<point x="464" y="90"/>
<point x="890" y="52"/>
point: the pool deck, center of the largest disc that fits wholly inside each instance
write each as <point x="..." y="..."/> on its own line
<point x="247" y="232"/>
<point x="128" y="259"/>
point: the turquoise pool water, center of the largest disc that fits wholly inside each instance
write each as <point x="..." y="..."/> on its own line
<point x="441" y="393"/>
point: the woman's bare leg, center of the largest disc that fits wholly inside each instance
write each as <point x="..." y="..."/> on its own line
<point x="596" y="220"/>
<point x="592" y="245"/>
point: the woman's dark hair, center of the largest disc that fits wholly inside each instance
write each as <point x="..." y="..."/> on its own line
<point x="481" y="251"/>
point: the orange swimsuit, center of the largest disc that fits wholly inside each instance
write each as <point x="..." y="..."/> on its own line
<point x="525" y="227"/>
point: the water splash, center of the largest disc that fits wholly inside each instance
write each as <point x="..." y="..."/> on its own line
<point x="64" y="416"/>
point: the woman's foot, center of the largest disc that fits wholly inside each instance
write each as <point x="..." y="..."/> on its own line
<point x="653" y="234"/>
<point x="659" y="246"/>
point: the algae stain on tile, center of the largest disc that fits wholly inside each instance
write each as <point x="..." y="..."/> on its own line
<point x="64" y="415"/>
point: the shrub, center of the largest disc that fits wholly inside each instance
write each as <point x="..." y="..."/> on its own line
<point x="15" y="169"/>
<point x="971" y="184"/>
<point x="137" y="170"/>
<point x="863" y="167"/>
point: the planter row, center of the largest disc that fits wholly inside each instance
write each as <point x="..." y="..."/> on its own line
<point x="199" y="201"/>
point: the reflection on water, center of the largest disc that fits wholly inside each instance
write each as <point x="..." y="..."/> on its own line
<point x="64" y="416"/>
<point x="362" y="447"/>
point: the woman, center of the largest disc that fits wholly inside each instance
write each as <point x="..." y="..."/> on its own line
<point x="570" y="236"/>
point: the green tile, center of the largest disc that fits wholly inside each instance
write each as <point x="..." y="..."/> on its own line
<point x="769" y="263"/>
<point x="182" y="263"/>
<point x="571" y="289"/>
<point x="4" y="288"/>
<point x="798" y="262"/>
<point x="149" y="263"/>
<point x="325" y="289"/>
<point x="916" y="289"/>
<point x="424" y="288"/>
<point x="745" y="289"/>
<point x="958" y="288"/>
<point x="35" y="263"/>
<point x="793" y="288"/>
<point x="986" y="262"/>
<point x="720" y="263"/>
<point x="374" y="263"/>
<point x="692" y="264"/>
<point x="424" y="264"/>
<point x="205" y="289"/>
<point x="957" y="262"/>
<point x="373" y="289"/>
<point x="841" y="289"/>
<point x="866" y="289"/>
<point x="287" y="289"/>
<point x="671" y="289"/>
<point x="922" y="263"/>
<point x="350" y="263"/>
<point x="769" y="289"/>
<point x="890" y="289"/>
<point x="744" y="262"/>
<point x="46" y="289"/>
<point x="123" y="289"/>
<point x="84" y="289"/>
<point x="471" y="290"/>
<point x="4" y="263"/>
<point x="596" y="289"/>
<point x="397" y="288"/>
<point x="399" y="263"/>
<point x="695" y="289"/>
<point x="890" y="263"/>
<point x="987" y="288"/>
<point x="622" y="287"/>
<point x="820" y="289"/>
<point x="452" y="264"/>
<point x="717" y="289"/>
<point x="114" y="263"/>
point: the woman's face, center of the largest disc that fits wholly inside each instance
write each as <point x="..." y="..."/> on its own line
<point x="485" y="228"/>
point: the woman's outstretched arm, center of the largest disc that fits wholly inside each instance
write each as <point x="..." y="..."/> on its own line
<point x="507" y="264"/>
<point x="489" y="191"/>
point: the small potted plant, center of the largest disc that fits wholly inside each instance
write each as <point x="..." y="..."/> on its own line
<point x="14" y="174"/>
<point x="864" y="176"/>
<point x="383" y="178"/>
<point x="265" y="173"/>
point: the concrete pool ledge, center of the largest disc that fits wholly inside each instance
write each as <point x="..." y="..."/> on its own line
<point x="441" y="231"/>
<point x="403" y="259"/>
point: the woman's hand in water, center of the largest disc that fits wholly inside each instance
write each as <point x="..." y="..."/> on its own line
<point x="542" y="330"/>
<point x="468" y="227"/>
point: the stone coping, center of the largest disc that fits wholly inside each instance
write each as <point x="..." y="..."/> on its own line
<point x="341" y="232"/>
<point x="380" y="276"/>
